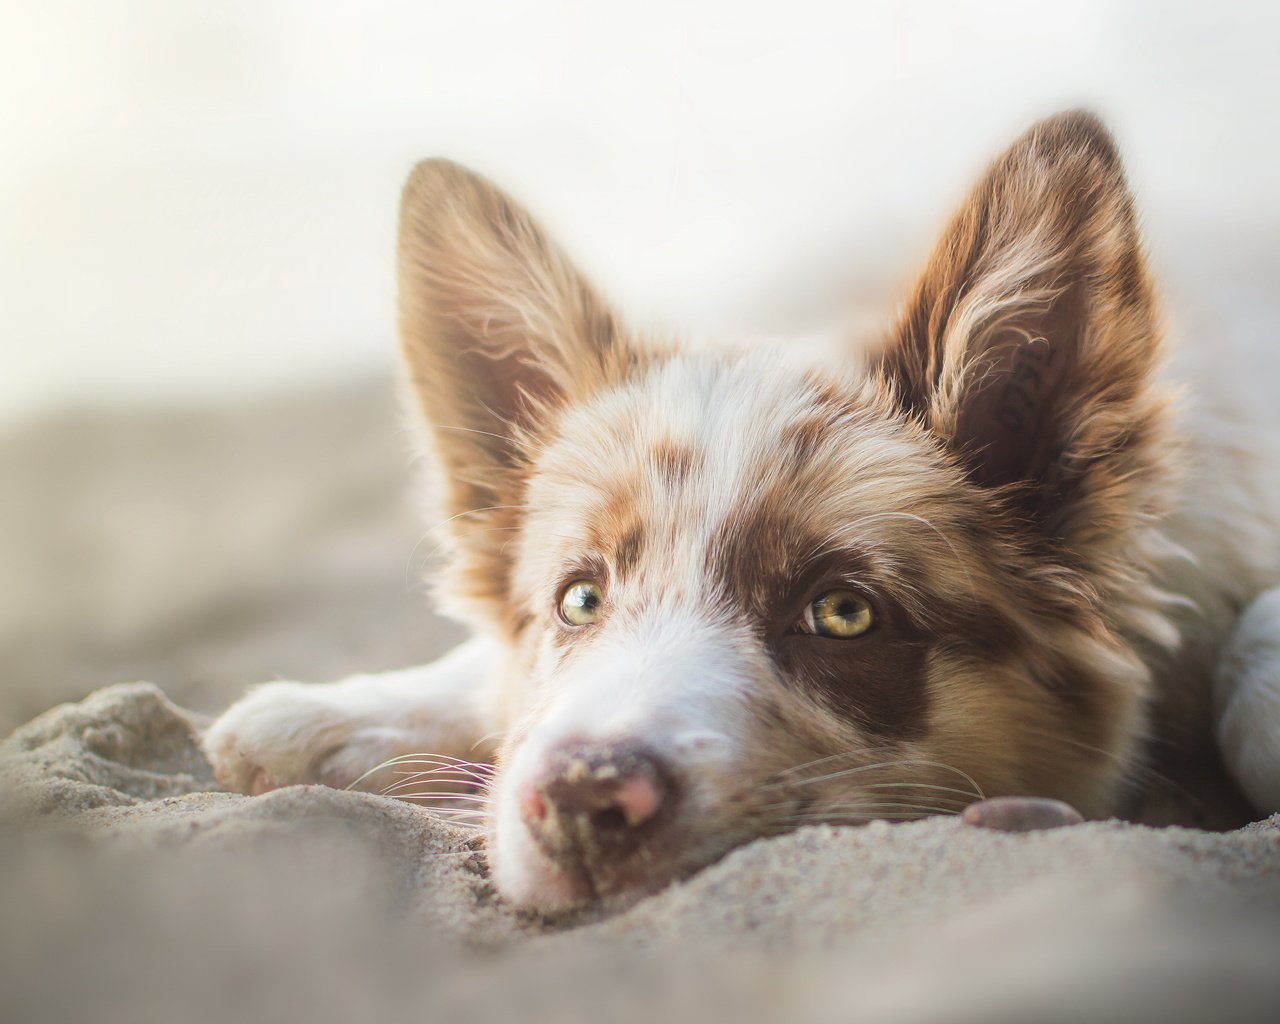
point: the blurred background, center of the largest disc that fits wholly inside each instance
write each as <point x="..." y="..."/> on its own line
<point x="204" y="476"/>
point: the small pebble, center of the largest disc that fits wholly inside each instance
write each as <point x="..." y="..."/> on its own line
<point x="1020" y="814"/>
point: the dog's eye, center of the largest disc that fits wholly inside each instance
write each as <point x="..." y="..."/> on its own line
<point x="838" y="613"/>
<point x="580" y="603"/>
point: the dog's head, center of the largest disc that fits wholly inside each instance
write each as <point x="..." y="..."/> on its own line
<point x="745" y="591"/>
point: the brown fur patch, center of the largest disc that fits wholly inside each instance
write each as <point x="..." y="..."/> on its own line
<point x="675" y="460"/>
<point x="877" y="681"/>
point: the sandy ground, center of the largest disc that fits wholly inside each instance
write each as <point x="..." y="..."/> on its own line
<point x="133" y="892"/>
<point x="210" y="549"/>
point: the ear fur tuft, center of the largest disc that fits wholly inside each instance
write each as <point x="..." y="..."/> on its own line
<point x="1030" y="341"/>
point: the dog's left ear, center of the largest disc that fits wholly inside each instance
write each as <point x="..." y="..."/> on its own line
<point x="497" y="326"/>
<point x="1029" y="342"/>
<point x="499" y="333"/>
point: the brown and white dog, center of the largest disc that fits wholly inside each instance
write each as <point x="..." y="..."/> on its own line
<point x="721" y="593"/>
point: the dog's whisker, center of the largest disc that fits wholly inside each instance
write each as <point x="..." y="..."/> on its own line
<point x="463" y="776"/>
<point x="882" y="765"/>
<point x="444" y="794"/>
<point x="433" y="794"/>
<point x="435" y="768"/>
<point x="913" y="808"/>
<point x="419" y="758"/>
<point x="966" y="793"/>
<point x="848" y="772"/>
<point x="459" y="793"/>
<point x="873" y="805"/>
<point x="444" y="769"/>
<point x="485" y="765"/>
<point x="901" y="805"/>
<point x="449" y="759"/>
<point x="481" y="770"/>
<point x="827" y="759"/>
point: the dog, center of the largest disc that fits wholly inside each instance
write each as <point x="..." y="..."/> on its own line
<point x="719" y="593"/>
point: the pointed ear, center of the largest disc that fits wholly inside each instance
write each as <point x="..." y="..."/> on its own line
<point x="498" y="331"/>
<point x="1030" y="340"/>
<point x="497" y="326"/>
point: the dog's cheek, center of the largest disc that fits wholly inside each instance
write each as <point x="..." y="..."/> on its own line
<point x="998" y="725"/>
<point x="877" y="685"/>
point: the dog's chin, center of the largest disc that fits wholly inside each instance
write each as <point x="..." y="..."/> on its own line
<point x="534" y="883"/>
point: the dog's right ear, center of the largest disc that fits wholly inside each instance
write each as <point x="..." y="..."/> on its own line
<point x="1031" y="342"/>
<point x="499" y="331"/>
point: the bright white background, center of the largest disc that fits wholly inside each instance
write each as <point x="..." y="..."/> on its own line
<point x="198" y="198"/>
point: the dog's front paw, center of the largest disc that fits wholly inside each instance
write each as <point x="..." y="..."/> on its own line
<point x="283" y="734"/>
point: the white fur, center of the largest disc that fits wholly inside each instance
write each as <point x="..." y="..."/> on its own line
<point x="669" y="682"/>
<point x="287" y="733"/>
<point x="1247" y="701"/>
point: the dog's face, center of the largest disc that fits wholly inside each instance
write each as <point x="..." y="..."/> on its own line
<point x="746" y="591"/>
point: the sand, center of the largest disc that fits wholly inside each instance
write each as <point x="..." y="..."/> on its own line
<point x="133" y="891"/>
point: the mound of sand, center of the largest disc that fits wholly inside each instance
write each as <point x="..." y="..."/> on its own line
<point x="133" y="891"/>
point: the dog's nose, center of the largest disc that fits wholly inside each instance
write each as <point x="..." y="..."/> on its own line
<point x="596" y="801"/>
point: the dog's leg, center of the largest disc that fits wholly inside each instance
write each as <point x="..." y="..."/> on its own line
<point x="332" y="733"/>
<point x="1247" y="700"/>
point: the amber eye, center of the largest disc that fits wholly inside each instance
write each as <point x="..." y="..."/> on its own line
<point x="580" y="603"/>
<point x="842" y="614"/>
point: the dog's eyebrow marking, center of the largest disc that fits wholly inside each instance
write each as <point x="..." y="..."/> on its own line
<point x="805" y="436"/>
<point x="627" y="549"/>
<point x="674" y="460"/>
<point x="615" y="528"/>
